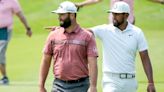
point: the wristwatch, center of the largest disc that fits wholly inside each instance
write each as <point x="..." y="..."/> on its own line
<point x="28" y="28"/>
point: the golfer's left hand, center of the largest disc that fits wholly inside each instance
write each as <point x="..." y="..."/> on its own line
<point x="92" y="89"/>
<point x="151" y="88"/>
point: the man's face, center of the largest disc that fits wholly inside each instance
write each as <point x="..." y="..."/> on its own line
<point x="65" y="20"/>
<point x="118" y="19"/>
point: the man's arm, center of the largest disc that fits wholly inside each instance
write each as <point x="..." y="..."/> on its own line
<point x="24" y="21"/>
<point x="148" y="70"/>
<point x="44" y="69"/>
<point x="87" y="2"/>
<point x="93" y="72"/>
<point x="158" y="1"/>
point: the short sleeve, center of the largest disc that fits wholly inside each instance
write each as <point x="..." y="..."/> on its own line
<point x="16" y="6"/>
<point x="48" y="46"/>
<point x="92" y="48"/>
<point x="98" y="30"/>
<point x="142" y="43"/>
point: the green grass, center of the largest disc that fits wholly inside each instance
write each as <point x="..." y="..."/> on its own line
<point x="24" y="54"/>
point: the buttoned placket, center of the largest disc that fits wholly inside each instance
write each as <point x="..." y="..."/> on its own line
<point x="68" y="37"/>
<point x="119" y="32"/>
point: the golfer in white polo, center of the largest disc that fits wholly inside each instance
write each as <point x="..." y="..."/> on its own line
<point x="121" y="41"/>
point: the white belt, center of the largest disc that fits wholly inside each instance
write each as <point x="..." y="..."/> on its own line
<point x="122" y="75"/>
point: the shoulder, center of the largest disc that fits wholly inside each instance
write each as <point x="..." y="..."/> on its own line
<point x="101" y="26"/>
<point x="56" y="32"/>
<point x="136" y="29"/>
<point x="86" y="32"/>
<point x="14" y="1"/>
<point x="86" y="35"/>
<point x="14" y="4"/>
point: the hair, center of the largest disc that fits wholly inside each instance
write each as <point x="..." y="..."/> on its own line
<point x="75" y="15"/>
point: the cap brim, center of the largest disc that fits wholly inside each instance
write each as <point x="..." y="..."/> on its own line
<point x="109" y="11"/>
<point x="59" y="11"/>
<point x="62" y="11"/>
<point x="114" y="11"/>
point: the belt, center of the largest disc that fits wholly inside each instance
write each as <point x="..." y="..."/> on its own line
<point x="2" y="28"/>
<point x="123" y="75"/>
<point x="72" y="81"/>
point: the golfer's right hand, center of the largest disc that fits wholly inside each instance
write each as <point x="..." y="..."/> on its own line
<point x="42" y="90"/>
<point x="51" y="28"/>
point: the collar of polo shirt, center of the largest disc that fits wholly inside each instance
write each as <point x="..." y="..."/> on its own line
<point x="75" y="30"/>
<point x="128" y="28"/>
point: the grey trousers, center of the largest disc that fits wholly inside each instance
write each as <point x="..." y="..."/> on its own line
<point x="3" y="48"/>
<point x="59" y="86"/>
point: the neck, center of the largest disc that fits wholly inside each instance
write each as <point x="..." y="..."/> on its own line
<point x="70" y="28"/>
<point x="123" y="26"/>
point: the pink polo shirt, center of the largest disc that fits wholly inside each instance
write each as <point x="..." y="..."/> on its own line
<point x="70" y="52"/>
<point x="7" y="9"/>
<point x="131" y="5"/>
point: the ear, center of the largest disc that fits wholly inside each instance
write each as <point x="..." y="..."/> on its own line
<point x="72" y="16"/>
<point x="126" y="15"/>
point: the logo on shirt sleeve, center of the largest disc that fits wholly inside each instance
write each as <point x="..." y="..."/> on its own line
<point x="95" y="50"/>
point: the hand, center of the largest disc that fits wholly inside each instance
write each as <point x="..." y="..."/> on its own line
<point x="151" y="88"/>
<point x="92" y="89"/>
<point x="29" y="32"/>
<point x="158" y="1"/>
<point x="78" y="5"/>
<point x="162" y="1"/>
<point x="42" y="89"/>
<point x="51" y="28"/>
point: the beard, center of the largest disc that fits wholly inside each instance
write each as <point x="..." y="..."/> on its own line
<point x="66" y="23"/>
<point x="117" y="24"/>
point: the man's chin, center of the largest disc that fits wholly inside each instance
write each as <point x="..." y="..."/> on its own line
<point x="64" y="26"/>
<point x="114" y="24"/>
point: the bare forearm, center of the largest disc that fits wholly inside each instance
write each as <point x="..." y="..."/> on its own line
<point x="158" y="1"/>
<point x="148" y="71"/>
<point x="44" y="69"/>
<point x="93" y="72"/>
<point x="147" y="66"/>
<point x="23" y="20"/>
<point x="88" y="2"/>
<point x="93" y="77"/>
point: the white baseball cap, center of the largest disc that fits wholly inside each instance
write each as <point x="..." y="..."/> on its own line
<point x="120" y="7"/>
<point x="66" y="7"/>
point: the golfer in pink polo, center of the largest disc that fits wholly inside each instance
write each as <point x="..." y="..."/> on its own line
<point x="73" y="53"/>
